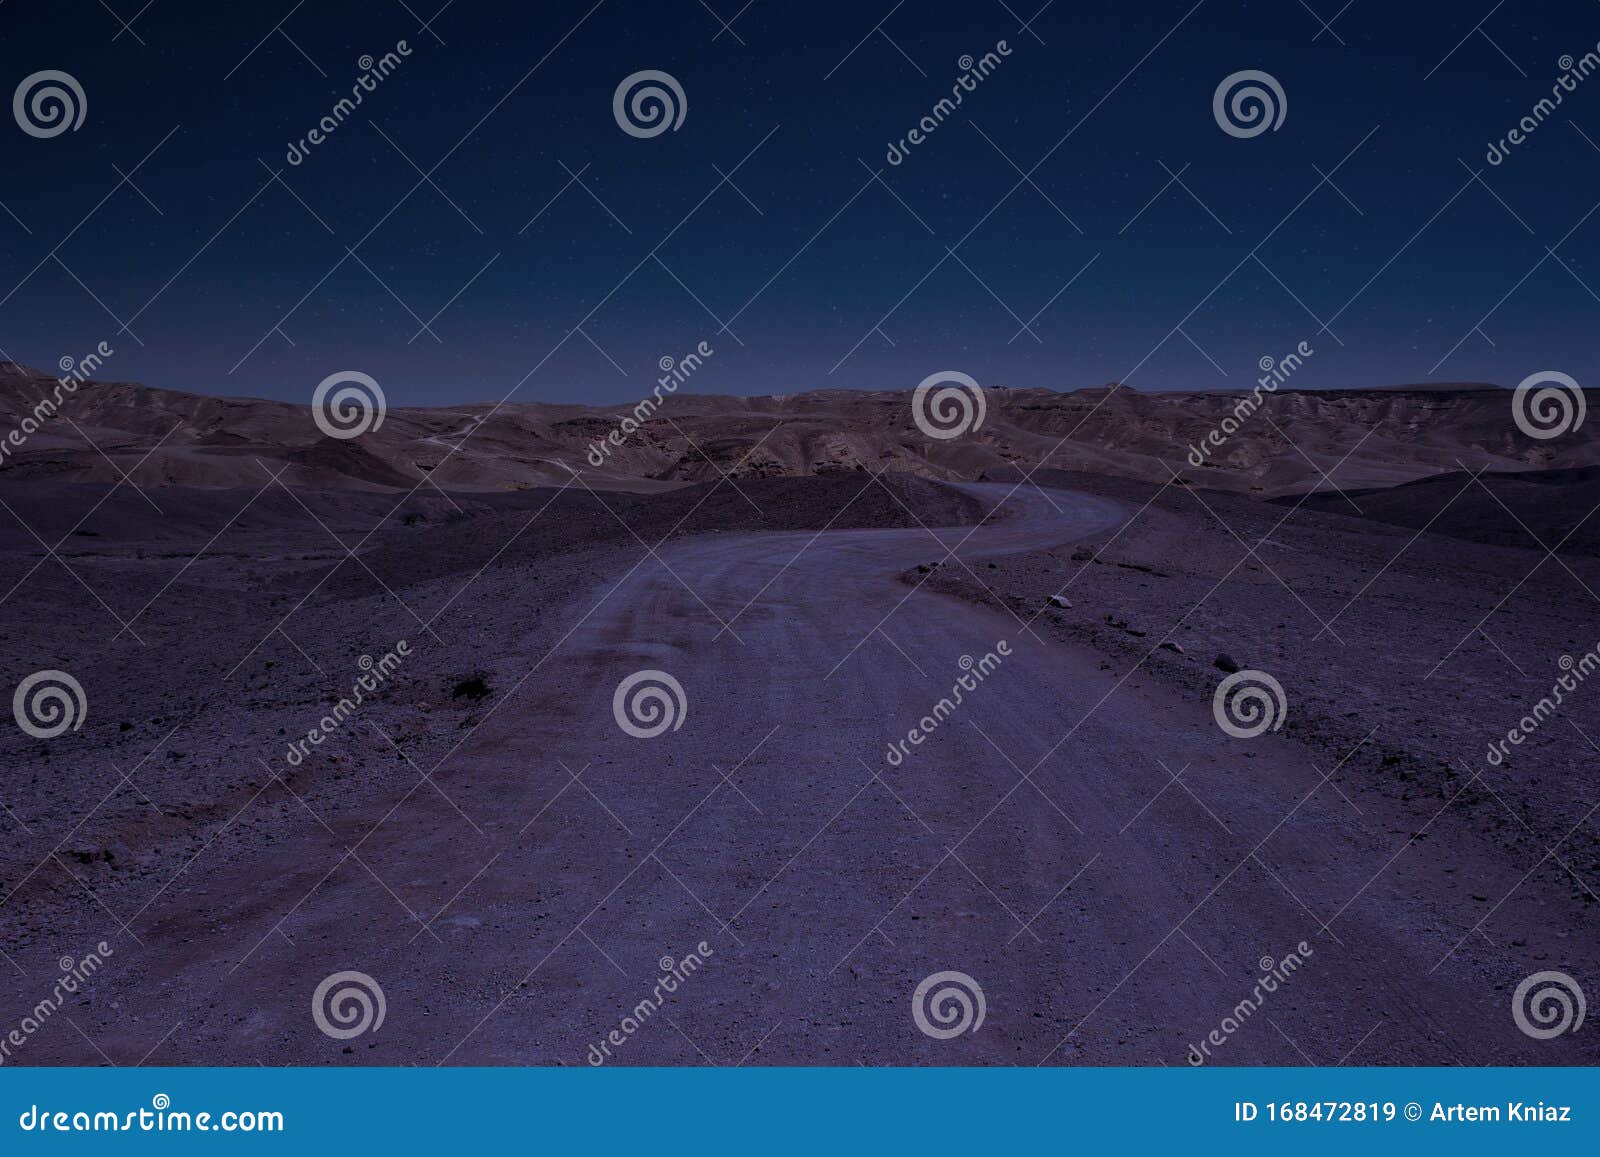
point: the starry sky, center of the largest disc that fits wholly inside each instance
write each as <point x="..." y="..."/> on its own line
<point x="481" y="226"/>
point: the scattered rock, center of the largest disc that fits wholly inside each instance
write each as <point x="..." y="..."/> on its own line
<point x="1060" y="601"/>
<point x="1224" y="662"/>
<point x="1169" y="645"/>
<point x="474" y="689"/>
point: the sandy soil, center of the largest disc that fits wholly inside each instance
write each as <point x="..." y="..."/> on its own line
<point x="486" y="842"/>
<point x="208" y="631"/>
<point x="1402" y="654"/>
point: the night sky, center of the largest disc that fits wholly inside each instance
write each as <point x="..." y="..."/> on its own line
<point x="563" y="290"/>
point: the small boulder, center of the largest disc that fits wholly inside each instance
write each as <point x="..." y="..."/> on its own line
<point x="1224" y="662"/>
<point x="1060" y="601"/>
<point x="1169" y="645"/>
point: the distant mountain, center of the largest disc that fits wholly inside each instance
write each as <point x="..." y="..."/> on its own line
<point x="1393" y="435"/>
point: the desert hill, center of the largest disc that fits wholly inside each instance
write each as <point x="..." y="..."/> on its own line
<point x="169" y="438"/>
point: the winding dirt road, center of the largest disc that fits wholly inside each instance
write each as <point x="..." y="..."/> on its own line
<point x="1111" y="869"/>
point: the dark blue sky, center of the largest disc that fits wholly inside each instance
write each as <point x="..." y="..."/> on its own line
<point x="820" y="252"/>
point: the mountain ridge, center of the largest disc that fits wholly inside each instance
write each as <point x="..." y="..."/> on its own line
<point x="1395" y="434"/>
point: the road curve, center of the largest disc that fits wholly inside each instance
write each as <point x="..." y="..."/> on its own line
<point x="1037" y="842"/>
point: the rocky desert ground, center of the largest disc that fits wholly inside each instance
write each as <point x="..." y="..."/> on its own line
<point x="1079" y="838"/>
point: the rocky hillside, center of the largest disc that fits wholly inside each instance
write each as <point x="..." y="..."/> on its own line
<point x="167" y="438"/>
